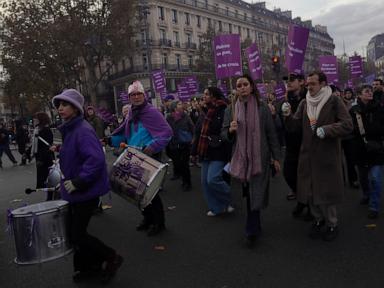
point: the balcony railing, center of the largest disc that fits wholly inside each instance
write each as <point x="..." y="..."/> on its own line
<point x="190" y="45"/>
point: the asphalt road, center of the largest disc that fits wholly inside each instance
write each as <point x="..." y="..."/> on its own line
<point x="205" y="252"/>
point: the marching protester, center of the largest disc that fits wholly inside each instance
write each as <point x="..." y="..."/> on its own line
<point x="368" y="120"/>
<point x="95" y="122"/>
<point x="296" y="92"/>
<point x="378" y="91"/>
<point x="85" y="179"/>
<point x="250" y="126"/>
<point x="4" y="145"/>
<point x="146" y="129"/>
<point x="180" y="145"/>
<point x="213" y="152"/>
<point x="22" y="139"/>
<point x="323" y="119"/>
<point x="42" y="140"/>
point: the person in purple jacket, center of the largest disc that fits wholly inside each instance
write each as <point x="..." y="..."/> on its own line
<point x="84" y="180"/>
<point x="146" y="129"/>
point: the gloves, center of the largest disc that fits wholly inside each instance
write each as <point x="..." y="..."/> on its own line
<point x="320" y="133"/>
<point x="286" y="109"/>
<point x="69" y="186"/>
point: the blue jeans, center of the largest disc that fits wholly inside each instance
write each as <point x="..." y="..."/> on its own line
<point x="370" y="180"/>
<point x="216" y="190"/>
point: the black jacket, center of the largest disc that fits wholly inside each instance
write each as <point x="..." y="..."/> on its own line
<point x="184" y="124"/>
<point x="372" y="115"/>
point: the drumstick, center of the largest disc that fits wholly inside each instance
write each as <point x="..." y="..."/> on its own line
<point x="29" y="190"/>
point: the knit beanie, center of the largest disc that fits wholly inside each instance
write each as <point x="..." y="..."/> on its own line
<point x="136" y="87"/>
<point x="71" y="96"/>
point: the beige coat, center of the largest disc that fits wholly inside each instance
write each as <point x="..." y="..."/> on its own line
<point x="320" y="162"/>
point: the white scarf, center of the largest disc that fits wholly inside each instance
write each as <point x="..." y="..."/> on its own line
<point x="316" y="103"/>
<point x="35" y="140"/>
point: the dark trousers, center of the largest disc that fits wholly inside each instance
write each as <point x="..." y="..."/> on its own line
<point x="291" y="163"/>
<point x="5" y="149"/>
<point x="349" y="159"/>
<point x="180" y="159"/>
<point x="154" y="212"/>
<point x="253" y="223"/>
<point x="42" y="171"/>
<point x="90" y="252"/>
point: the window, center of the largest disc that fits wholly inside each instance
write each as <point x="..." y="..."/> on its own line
<point x="236" y="13"/>
<point x="206" y="3"/>
<point x="178" y="61"/>
<point x="143" y="37"/>
<point x="245" y="16"/>
<point x="163" y="35"/>
<point x="189" y="39"/>
<point x="209" y="22"/>
<point x="164" y="60"/>
<point x="227" y="11"/>
<point x="190" y="61"/>
<point x="248" y="33"/>
<point x="145" y="62"/>
<point x="198" y="17"/>
<point x="176" y="38"/>
<point x="230" y="28"/>
<point x="220" y="26"/>
<point x="187" y="19"/>
<point x="161" y="12"/>
<point x="200" y="41"/>
<point x="174" y="16"/>
<point x="239" y="30"/>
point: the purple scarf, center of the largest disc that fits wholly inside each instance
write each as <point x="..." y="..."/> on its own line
<point x="246" y="159"/>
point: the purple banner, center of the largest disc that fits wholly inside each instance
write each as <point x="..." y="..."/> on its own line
<point x="124" y="98"/>
<point x="192" y="84"/>
<point x="262" y="90"/>
<point x="254" y="61"/>
<point x="295" y="52"/>
<point x="158" y="78"/>
<point x="227" y="51"/>
<point x="280" y="91"/>
<point x="355" y="67"/>
<point x="328" y="65"/>
<point x="183" y="92"/>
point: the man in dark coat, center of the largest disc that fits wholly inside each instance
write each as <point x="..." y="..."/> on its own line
<point x="4" y="145"/>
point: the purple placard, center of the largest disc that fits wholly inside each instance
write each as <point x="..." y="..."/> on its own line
<point x="295" y="52"/>
<point x="227" y="51"/>
<point x="262" y="90"/>
<point x="254" y="61"/>
<point x="163" y="93"/>
<point x="158" y="78"/>
<point x="223" y="87"/>
<point x="328" y="65"/>
<point x="355" y="67"/>
<point x="183" y="92"/>
<point x="370" y="78"/>
<point x="124" y="98"/>
<point x="280" y="91"/>
<point x="192" y="84"/>
<point x="350" y="84"/>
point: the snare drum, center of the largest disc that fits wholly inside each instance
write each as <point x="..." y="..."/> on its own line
<point x="137" y="177"/>
<point x="40" y="232"/>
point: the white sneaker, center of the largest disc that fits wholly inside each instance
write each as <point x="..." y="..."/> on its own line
<point x="230" y="209"/>
<point x="210" y="214"/>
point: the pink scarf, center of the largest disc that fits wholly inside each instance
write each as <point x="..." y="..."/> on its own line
<point x="246" y="159"/>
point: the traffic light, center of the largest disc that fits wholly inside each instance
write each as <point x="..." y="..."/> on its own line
<point x="276" y="64"/>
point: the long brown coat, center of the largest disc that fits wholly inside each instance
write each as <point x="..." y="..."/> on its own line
<point x="320" y="162"/>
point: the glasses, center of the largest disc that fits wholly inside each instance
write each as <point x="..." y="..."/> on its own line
<point x="135" y="94"/>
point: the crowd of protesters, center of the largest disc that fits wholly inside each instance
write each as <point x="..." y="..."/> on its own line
<point x="321" y="137"/>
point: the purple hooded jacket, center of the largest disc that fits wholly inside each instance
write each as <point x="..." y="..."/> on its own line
<point x="153" y="121"/>
<point x="82" y="160"/>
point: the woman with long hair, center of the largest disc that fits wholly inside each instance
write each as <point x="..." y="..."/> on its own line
<point x="249" y="125"/>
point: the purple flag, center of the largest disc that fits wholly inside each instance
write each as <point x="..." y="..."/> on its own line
<point x="355" y="67"/>
<point x="183" y="92"/>
<point x="254" y="61"/>
<point x="227" y="51"/>
<point x="262" y="90"/>
<point x="328" y="65"/>
<point x="192" y="84"/>
<point x="158" y="78"/>
<point x="295" y="52"/>
<point x="370" y="78"/>
<point x="280" y="91"/>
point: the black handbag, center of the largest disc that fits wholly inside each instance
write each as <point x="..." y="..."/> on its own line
<point x="214" y="141"/>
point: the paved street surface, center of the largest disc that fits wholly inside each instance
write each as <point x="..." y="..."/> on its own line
<point x="207" y="252"/>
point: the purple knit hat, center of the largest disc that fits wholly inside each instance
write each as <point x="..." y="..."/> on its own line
<point x="72" y="96"/>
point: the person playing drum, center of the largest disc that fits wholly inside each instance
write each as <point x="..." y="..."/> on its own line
<point x="146" y="129"/>
<point x="84" y="180"/>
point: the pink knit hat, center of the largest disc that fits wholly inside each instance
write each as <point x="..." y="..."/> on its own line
<point x="136" y="87"/>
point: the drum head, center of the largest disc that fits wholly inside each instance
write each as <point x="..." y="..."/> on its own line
<point x="39" y="208"/>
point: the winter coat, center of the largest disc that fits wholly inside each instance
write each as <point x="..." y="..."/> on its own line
<point x="43" y="155"/>
<point x="270" y="149"/>
<point x="372" y="115"/>
<point x="182" y="126"/>
<point x="82" y="160"/>
<point x="223" y="151"/>
<point x="4" y="136"/>
<point x="320" y="172"/>
<point x="97" y="124"/>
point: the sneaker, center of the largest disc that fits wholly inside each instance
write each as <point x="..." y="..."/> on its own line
<point x="316" y="229"/>
<point x="330" y="234"/>
<point x="230" y="209"/>
<point x="211" y="214"/>
<point x="372" y="214"/>
<point x="111" y="268"/>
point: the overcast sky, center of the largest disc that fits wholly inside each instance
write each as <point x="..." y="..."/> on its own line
<point x="355" y="21"/>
